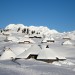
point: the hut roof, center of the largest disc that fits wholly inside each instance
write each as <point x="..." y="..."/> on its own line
<point x="26" y="39"/>
<point x="47" y="53"/>
<point x="35" y="49"/>
<point x="48" y="39"/>
<point x="7" y="54"/>
<point x="12" y="38"/>
<point x="67" y="43"/>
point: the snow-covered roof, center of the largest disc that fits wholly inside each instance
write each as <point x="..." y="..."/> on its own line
<point x="51" y="38"/>
<point x="47" y="53"/>
<point x="66" y="37"/>
<point x="34" y="49"/>
<point x="12" y="38"/>
<point x="26" y="39"/>
<point x="7" y="33"/>
<point x="68" y="42"/>
<point x="48" y="39"/>
<point x="7" y="54"/>
<point x="18" y="49"/>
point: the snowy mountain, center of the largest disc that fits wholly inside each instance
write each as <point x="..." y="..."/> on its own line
<point x="14" y="26"/>
<point x="41" y="29"/>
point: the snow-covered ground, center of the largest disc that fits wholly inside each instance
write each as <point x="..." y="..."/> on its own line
<point x="32" y="66"/>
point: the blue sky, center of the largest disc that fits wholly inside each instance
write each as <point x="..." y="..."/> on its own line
<point x="55" y="14"/>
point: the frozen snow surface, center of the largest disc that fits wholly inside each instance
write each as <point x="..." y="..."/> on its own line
<point x="52" y="44"/>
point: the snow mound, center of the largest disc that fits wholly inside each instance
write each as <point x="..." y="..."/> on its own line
<point x="66" y="62"/>
<point x="56" y="63"/>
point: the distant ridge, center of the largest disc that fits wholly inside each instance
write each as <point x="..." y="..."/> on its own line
<point x="41" y="29"/>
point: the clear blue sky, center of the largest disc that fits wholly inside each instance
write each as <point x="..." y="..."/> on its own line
<point x="55" y="14"/>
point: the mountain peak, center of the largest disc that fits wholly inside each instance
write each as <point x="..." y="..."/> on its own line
<point x="42" y="29"/>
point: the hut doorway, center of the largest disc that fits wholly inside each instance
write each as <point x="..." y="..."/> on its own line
<point x="32" y="56"/>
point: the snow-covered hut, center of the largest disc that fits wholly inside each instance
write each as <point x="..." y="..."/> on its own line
<point x="66" y="38"/>
<point x="17" y="49"/>
<point x="7" y="54"/>
<point x="11" y="38"/>
<point x="6" y="33"/>
<point x="32" y="52"/>
<point x="48" y="55"/>
<point x="48" y="40"/>
<point x="25" y="40"/>
<point x="68" y="42"/>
